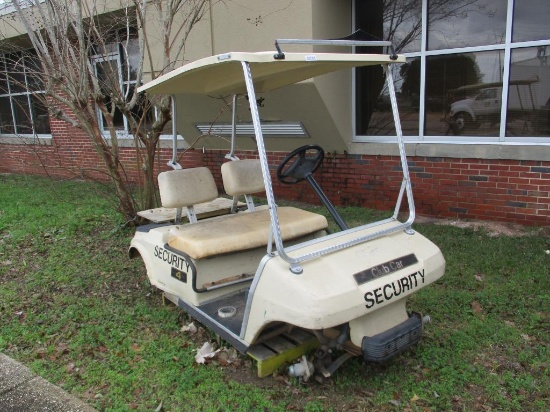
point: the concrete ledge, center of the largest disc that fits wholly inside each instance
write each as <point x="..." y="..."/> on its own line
<point x="23" y="391"/>
<point x="20" y="140"/>
<point x="535" y="152"/>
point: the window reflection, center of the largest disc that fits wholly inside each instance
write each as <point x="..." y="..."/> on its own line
<point x="375" y="116"/>
<point x="6" y="117"/>
<point x="528" y="107"/>
<point x="463" y="94"/>
<point x="23" y="122"/>
<point x="399" y="21"/>
<point x="531" y="20"/>
<point x="22" y="110"/>
<point x="40" y="115"/>
<point x="463" y="91"/>
<point x="466" y="23"/>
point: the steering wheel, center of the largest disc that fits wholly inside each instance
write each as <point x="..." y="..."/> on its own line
<point x="301" y="164"/>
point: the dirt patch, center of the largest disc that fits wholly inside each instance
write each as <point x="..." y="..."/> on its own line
<point x="493" y="229"/>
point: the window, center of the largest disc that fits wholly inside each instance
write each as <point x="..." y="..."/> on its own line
<point x="22" y="108"/>
<point x="6" y="6"/>
<point x="116" y="65"/>
<point x="476" y="70"/>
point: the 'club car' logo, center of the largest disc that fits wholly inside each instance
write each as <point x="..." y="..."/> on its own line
<point x="385" y="268"/>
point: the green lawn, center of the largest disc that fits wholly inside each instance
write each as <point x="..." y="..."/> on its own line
<point x="76" y="310"/>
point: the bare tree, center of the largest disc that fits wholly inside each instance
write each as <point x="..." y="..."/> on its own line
<point x="91" y="56"/>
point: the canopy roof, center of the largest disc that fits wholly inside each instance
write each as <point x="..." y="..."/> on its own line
<point x="223" y="73"/>
<point x="479" y="86"/>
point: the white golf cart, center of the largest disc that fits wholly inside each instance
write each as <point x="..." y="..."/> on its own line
<point x="272" y="280"/>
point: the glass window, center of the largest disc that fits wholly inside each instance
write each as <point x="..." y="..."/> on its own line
<point x="401" y="23"/>
<point x="3" y="77"/>
<point x="116" y="69"/>
<point x="374" y="113"/>
<point x="6" y="117"/>
<point x="23" y="122"/>
<point x="22" y="109"/>
<point x="33" y="70"/>
<point x="531" y="20"/>
<point x="398" y="21"/>
<point x="528" y="106"/>
<point x="131" y="58"/>
<point x="16" y="73"/>
<point x="463" y="94"/>
<point x="463" y="91"/>
<point x="40" y="115"/>
<point x="466" y="23"/>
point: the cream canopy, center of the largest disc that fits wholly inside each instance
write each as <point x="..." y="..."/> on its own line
<point x="223" y="73"/>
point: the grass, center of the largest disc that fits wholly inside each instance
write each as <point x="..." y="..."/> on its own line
<point x="76" y="310"/>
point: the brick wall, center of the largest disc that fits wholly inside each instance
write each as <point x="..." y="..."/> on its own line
<point x="502" y="190"/>
<point x="72" y="155"/>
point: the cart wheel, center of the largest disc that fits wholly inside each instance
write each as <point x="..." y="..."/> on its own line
<point x="464" y="122"/>
<point x="301" y="165"/>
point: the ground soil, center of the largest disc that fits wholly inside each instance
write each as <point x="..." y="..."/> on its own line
<point x="492" y="228"/>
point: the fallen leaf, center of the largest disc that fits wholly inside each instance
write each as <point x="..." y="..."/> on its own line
<point x="415" y="398"/>
<point x="207" y="351"/>
<point x="191" y="328"/>
<point x="479" y="277"/>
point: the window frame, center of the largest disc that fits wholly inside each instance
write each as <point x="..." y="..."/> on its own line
<point x="125" y="83"/>
<point x="420" y="137"/>
<point x="27" y="93"/>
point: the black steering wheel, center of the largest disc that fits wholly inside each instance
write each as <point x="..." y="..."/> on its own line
<point x="301" y="165"/>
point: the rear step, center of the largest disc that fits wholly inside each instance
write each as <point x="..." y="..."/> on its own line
<point x="273" y="352"/>
<point x="275" y="347"/>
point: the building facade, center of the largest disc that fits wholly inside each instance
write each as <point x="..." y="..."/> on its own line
<point x="474" y="102"/>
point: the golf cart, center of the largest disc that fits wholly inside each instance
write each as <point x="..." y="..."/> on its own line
<point x="271" y="280"/>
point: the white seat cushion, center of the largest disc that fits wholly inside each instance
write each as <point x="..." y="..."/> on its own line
<point x="242" y="231"/>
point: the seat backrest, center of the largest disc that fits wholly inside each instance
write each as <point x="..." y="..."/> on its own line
<point x="242" y="177"/>
<point x="186" y="187"/>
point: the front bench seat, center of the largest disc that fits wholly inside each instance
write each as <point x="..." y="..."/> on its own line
<point x="242" y="231"/>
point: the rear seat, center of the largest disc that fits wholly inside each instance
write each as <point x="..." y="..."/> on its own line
<point x="229" y="233"/>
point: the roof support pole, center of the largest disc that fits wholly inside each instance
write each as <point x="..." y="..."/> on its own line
<point x="402" y="152"/>
<point x="276" y="229"/>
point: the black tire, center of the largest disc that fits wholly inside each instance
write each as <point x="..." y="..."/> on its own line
<point x="464" y="121"/>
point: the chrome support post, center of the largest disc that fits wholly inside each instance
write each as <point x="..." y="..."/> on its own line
<point x="401" y="144"/>
<point x="173" y="163"/>
<point x="294" y="266"/>
<point x="231" y="154"/>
